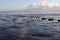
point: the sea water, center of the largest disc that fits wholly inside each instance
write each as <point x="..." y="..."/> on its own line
<point x="19" y="26"/>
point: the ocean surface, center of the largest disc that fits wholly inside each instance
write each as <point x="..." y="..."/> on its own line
<point x="20" y="26"/>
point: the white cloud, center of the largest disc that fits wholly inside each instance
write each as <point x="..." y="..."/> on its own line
<point x="34" y="4"/>
<point x="46" y="3"/>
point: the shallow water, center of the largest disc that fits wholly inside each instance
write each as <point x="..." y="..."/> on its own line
<point x="18" y="27"/>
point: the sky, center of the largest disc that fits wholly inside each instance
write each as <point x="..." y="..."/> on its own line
<point x="17" y="4"/>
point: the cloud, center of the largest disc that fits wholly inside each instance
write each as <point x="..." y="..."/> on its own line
<point x="33" y="5"/>
<point x="46" y="3"/>
<point x="44" y="6"/>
